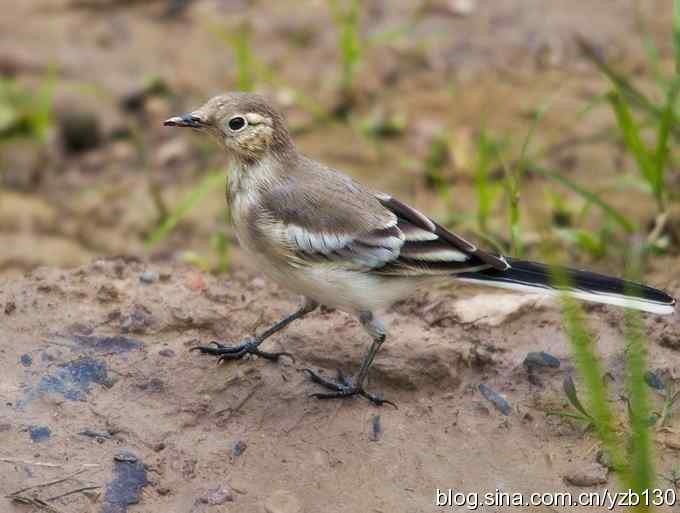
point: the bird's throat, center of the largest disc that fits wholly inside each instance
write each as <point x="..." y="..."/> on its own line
<point x="247" y="177"/>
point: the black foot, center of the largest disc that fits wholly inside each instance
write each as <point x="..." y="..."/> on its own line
<point x="342" y="388"/>
<point x="249" y="346"/>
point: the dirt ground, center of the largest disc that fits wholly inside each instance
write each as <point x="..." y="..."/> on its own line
<point x="102" y="360"/>
<point x="98" y="383"/>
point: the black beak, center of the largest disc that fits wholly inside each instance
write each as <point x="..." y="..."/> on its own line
<point x="187" y="120"/>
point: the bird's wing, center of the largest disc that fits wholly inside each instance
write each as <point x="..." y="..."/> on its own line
<point x="336" y="222"/>
<point x="429" y="248"/>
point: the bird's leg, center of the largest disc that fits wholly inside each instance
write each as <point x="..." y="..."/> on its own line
<point x="251" y="344"/>
<point x="347" y="388"/>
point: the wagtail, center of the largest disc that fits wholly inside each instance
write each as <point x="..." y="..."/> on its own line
<point x="321" y="234"/>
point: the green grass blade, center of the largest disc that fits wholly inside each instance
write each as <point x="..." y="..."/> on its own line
<point x="640" y="445"/>
<point x="209" y="182"/>
<point x="513" y="180"/>
<point x="641" y="462"/>
<point x="623" y="85"/>
<point x="570" y="391"/>
<point x="239" y="39"/>
<point x="540" y="112"/>
<point x="42" y="115"/>
<point x="590" y="105"/>
<point x="583" y="348"/>
<point x="512" y="186"/>
<point x="632" y="137"/>
<point x="243" y="58"/>
<point x="349" y="39"/>
<point x="483" y="187"/>
<point x="619" y="80"/>
<point x="662" y="146"/>
<point x="488" y="153"/>
<point x="589" y="196"/>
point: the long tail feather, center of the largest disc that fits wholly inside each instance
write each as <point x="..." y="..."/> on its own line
<point x="532" y="276"/>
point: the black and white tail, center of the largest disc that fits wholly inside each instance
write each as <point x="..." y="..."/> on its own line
<point x="532" y="276"/>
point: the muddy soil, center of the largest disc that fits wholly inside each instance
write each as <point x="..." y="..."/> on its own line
<point x="98" y="376"/>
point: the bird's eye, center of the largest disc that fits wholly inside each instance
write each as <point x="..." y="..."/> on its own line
<point x="237" y="123"/>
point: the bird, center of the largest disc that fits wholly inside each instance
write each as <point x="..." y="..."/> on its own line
<point x="323" y="235"/>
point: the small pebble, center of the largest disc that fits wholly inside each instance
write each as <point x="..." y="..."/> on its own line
<point x="218" y="496"/>
<point x="94" y="434"/>
<point x="91" y="494"/>
<point x="596" y="475"/>
<point x="148" y="277"/>
<point x="604" y="459"/>
<point x="127" y="485"/>
<point x="168" y="353"/>
<point x="125" y="457"/>
<point x="39" y="433"/>
<point x="541" y="359"/>
<point x="26" y="360"/>
<point x="499" y="402"/>
<point x="238" y="448"/>
<point x="10" y="306"/>
<point x="654" y="381"/>
<point x="376" y="429"/>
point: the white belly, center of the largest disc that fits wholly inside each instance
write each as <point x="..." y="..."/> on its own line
<point x="349" y="291"/>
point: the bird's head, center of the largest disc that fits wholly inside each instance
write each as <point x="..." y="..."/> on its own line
<point x="245" y="124"/>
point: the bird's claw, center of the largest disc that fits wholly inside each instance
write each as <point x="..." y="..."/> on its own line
<point x="249" y="346"/>
<point x="342" y="388"/>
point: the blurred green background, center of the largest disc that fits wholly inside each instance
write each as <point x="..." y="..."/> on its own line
<point x="543" y="128"/>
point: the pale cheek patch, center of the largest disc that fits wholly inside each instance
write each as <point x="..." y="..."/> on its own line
<point x="254" y="118"/>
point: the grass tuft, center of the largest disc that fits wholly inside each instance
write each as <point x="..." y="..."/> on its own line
<point x="487" y="154"/>
<point x="25" y="113"/>
<point x="243" y="58"/>
<point x="582" y="347"/>
<point x="346" y="19"/>
<point x="239" y="39"/>
<point x="210" y="181"/>
<point x="628" y="448"/>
